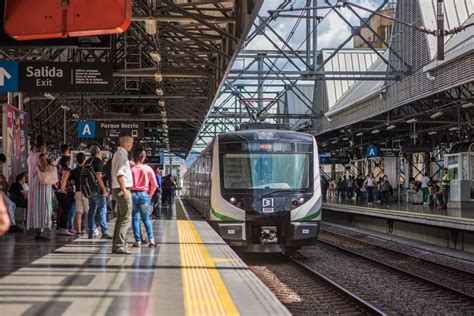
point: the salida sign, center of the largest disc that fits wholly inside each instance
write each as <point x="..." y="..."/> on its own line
<point x="55" y="77"/>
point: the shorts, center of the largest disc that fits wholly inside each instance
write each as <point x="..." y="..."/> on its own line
<point x="82" y="203"/>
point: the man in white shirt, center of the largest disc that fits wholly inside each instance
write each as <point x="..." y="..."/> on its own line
<point x="122" y="182"/>
<point x="425" y="181"/>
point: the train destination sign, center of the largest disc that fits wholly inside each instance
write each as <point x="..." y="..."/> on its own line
<point x="57" y="77"/>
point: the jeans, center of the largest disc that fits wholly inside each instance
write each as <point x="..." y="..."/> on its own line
<point x="72" y="217"/>
<point x="141" y="210"/>
<point x="370" y="194"/>
<point x="97" y="203"/>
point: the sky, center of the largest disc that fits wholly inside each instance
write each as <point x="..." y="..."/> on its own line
<point x="331" y="31"/>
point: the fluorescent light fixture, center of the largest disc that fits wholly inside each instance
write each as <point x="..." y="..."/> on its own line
<point x="413" y="136"/>
<point x="360" y="134"/>
<point x="437" y="114"/>
<point x="26" y="100"/>
<point x="158" y="77"/>
<point x="159" y="92"/>
<point x="391" y="127"/>
<point x="467" y="105"/>
<point x="334" y="141"/>
<point x="454" y="128"/>
<point x="50" y="96"/>
<point x="163" y="113"/>
<point x="155" y="56"/>
<point x="151" y="26"/>
<point x="413" y="120"/>
<point x="433" y="133"/>
<point x="345" y="138"/>
<point x="65" y="107"/>
<point x="75" y="115"/>
<point x="375" y="131"/>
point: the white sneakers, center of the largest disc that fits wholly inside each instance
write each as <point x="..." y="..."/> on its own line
<point x="65" y="232"/>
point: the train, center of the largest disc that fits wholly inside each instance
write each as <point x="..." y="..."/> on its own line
<point x="259" y="188"/>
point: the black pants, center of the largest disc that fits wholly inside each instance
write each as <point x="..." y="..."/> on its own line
<point x="166" y="195"/>
<point x="66" y="201"/>
<point x="385" y="197"/>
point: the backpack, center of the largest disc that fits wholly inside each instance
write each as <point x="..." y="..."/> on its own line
<point x="89" y="184"/>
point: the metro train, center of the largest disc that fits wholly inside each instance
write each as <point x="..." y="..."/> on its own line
<point x="259" y="189"/>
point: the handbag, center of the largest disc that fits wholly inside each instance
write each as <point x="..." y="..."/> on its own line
<point x="49" y="176"/>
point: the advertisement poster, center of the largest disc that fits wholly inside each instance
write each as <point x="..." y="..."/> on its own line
<point x="17" y="123"/>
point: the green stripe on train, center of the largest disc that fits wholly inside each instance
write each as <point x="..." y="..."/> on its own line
<point x="222" y="217"/>
<point x="308" y="218"/>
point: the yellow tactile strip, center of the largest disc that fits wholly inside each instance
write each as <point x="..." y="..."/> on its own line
<point x="204" y="290"/>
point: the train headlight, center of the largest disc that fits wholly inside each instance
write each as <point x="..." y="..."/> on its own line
<point x="301" y="200"/>
<point x="232" y="200"/>
<point x="295" y="203"/>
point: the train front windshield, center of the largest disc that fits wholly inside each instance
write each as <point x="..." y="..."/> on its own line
<point x="266" y="171"/>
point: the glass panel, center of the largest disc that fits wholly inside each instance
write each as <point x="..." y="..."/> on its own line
<point x="266" y="171"/>
<point x="465" y="167"/>
<point x="453" y="167"/>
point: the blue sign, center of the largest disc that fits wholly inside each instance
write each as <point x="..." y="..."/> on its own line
<point x="372" y="152"/>
<point x="86" y="129"/>
<point x="8" y="76"/>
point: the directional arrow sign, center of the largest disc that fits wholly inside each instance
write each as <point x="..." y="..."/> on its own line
<point x="4" y="74"/>
<point x="8" y="76"/>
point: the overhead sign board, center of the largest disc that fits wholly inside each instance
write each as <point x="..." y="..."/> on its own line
<point x="390" y="152"/>
<point x="8" y="76"/>
<point x="86" y="129"/>
<point x="55" y="77"/>
<point x="372" y="152"/>
<point x="115" y="129"/>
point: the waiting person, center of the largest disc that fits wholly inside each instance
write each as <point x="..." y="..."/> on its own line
<point x="425" y="188"/>
<point x="324" y="188"/>
<point x="10" y="206"/>
<point x="370" y="184"/>
<point x="4" y="218"/>
<point x="437" y="194"/>
<point x="65" y="151"/>
<point x="97" y="201"/>
<point x="144" y="186"/>
<point x="65" y="194"/>
<point x="122" y="182"/>
<point x="446" y="185"/>
<point x="350" y="187"/>
<point x="359" y="183"/>
<point x="156" y="196"/>
<point x="18" y="191"/>
<point x="385" y="190"/>
<point x="168" y="188"/>
<point x="39" y="196"/>
<point x="332" y="189"/>
<point x="81" y="201"/>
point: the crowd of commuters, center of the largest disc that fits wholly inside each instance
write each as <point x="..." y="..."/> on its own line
<point x="363" y="190"/>
<point x="369" y="190"/>
<point x="73" y="193"/>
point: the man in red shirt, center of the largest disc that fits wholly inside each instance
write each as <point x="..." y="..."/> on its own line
<point x="144" y="186"/>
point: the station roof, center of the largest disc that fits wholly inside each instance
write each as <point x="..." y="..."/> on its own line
<point x="197" y="41"/>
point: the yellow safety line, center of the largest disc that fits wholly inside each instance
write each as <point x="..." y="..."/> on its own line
<point x="403" y="212"/>
<point x="204" y="290"/>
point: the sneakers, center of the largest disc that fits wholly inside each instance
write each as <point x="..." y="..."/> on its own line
<point x="137" y="244"/>
<point x="121" y="251"/>
<point x="106" y="236"/>
<point x="65" y="232"/>
<point x="152" y="244"/>
<point x="425" y="204"/>
<point x="96" y="232"/>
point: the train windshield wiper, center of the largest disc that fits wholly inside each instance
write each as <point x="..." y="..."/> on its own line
<point x="276" y="191"/>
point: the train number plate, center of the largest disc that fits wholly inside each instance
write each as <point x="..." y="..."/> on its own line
<point x="267" y="205"/>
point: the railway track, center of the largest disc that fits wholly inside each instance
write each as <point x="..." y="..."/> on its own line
<point x="305" y="291"/>
<point x="452" y="279"/>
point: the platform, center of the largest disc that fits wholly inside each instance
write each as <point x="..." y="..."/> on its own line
<point x="462" y="220"/>
<point x="191" y="272"/>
